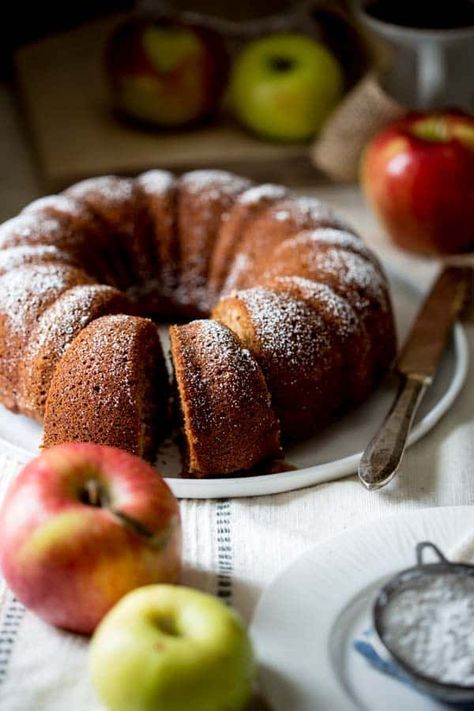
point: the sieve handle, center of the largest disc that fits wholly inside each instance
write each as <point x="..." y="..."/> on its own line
<point x="421" y="548"/>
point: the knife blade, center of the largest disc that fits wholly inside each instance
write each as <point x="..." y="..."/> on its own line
<point x="416" y="366"/>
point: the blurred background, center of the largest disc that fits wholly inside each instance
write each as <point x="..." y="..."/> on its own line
<point x="116" y="86"/>
<point x="283" y="91"/>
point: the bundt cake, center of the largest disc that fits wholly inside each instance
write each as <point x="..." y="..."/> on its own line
<point x="220" y="383"/>
<point x="110" y="387"/>
<point x="295" y="320"/>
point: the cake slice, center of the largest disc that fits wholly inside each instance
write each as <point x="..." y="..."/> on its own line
<point x="110" y="387"/>
<point x="227" y="418"/>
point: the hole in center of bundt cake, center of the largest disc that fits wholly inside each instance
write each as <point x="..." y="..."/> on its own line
<point x="94" y="493"/>
<point x="281" y="64"/>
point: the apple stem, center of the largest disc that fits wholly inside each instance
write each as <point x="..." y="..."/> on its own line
<point x="133" y="523"/>
<point x="157" y="541"/>
<point x="94" y="494"/>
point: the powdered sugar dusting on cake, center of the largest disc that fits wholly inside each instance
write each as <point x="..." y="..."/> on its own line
<point x="14" y="257"/>
<point x="53" y="333"/>
<point x="111" y="189"/>
<point x="212" y="184"/>
<point x="306" y="212"/>
<point x="286" y="328"/>
<point x="353" y="271"/>
<point x="319" y="260"/>
<point x="56" y="205"/>
<point x="68" y="315"/>
<point x="28" y="228"/>
<point x="228" y="372"/>
<point x="205" y="196"/>
<point x="155" y="182"/>
<point x="335" y="238"/>
<point x="29" y="289"/>
<point x="266" y="192"/>
<point x="334" y="309"/>
<point x="108" y="344"/>
<point x="240" y="265"/>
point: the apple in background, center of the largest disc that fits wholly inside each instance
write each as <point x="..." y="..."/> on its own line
<point x="418" y="174"/>
<point x="168" y="648"/>
<point x="82" y="525"/>
<point x="284" y="86"/>
<point x="166" y="73"/>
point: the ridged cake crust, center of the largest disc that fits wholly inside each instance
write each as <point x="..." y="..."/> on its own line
<point x="325" y="257"/>
<point x="156" y="198"/>
<point x="220" y="384"/>
<point x="236" y="222"/>
<point x="205" y="196"/>
<point x="111" y="200"/>
<point x="296" y="350"/>
<point x="349" y="334"/>
<point x="305" y="298"/>
<point x="110" y="387"/>
<point x="54" y="331"/>
<point x="285" y="218"/>
<point x="83" y="237"/>
<point x="25" y="293"/>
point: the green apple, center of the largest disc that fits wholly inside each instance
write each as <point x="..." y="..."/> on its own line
<point x="171" y="648"/>
<point x="283" y="86"/>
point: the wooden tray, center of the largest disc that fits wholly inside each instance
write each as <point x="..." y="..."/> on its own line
<point x="64" y="90"/>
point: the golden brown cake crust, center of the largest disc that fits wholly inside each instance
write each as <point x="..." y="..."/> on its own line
<point x="54" y="331"/>
<point x="349" y="332"/>
<point x="81" y="234"/>
<point x="25" y="293"/>
<point x="296" y="350"/>
<point x="245" y="209"/>
<point x="329" y="257"/>
<point x="285" y="218"/>
<point x="228" y="421"/>
<point x="205" y="197"/>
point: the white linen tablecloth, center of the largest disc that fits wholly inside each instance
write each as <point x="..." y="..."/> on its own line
<point x="232" y="548"/>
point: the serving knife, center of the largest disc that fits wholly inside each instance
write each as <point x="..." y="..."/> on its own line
<point x="416" y="367"/>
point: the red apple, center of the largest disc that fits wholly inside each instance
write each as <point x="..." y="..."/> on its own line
<point x="81" y="526"/>
<point x="164" y="72"/>
<point x="419" y="177"/>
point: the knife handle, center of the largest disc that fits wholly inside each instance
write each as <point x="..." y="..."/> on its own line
<point x="381" y="459"/>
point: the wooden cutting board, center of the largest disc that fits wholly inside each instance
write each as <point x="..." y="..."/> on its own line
<point x="63" y="87"/>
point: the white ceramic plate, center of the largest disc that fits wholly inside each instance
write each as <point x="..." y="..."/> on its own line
<point x="332" y="454"/>
<point x="306" y="621"/>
